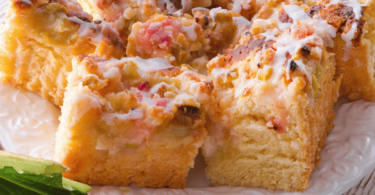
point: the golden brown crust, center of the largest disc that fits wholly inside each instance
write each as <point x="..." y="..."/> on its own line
<point x="241" y="51"/>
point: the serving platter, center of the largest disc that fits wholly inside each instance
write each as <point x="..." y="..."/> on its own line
<point x="28" y="124"/>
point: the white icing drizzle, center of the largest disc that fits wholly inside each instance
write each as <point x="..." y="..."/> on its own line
<point x="322" y="24"/>
<point x="216" y="72"/>
<point x="285" y="43"/>
<point x="179" y="13"/>
<point x="144" y="65"/>
<point x="213" y="12"/>
<point x="84" y="102"/>
<point x="149" y="65"/>
<point x="296" y="13"/>
<point x="348" y="37"/>
<point x="111" y="73"/>
<point x="190" y="31"/>
<point x="109" y="118"/>
<point x="357" y="7"/>
<point x="238" y="5"/>
<point x="84" y="29"/>
<point x="88" y="29"/>
<point x="284" y="26"/>
<point x="28" y="2"/>
<point x="200" y="9"/>
<point x="186" y="5"/>
<point x="156" y="88"/>
<point x="302" y="67"/>
<point x="242" y="24"/>
<point x="168" y="4"/>
<point x="150" y="97"/>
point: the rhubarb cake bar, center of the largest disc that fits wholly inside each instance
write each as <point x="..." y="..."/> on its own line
<point x="40" y="39"/>
<point x="353" y="45"/>
<point x="274" y="93"/>
<point x="352" y="26"/>
<point x="132" y="121"/>
<point x="189" y="39"/>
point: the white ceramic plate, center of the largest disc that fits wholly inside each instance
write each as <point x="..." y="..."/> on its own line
<point x="28" y="124"/>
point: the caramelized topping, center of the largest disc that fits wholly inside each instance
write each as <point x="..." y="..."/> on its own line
<point x="337" y="15"/>
<point x="313" y="10"/>
<point x="242" y="51"/>
<point x="343" y="18"/>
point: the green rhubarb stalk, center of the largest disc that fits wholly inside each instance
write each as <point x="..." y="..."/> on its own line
<point x="22" y="163"/>
<point x="21" y="174"/>
<point x="76" y="185"/>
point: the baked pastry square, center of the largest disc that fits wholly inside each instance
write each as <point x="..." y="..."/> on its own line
<point x="274" y="95"/>
<point x="354" y="44"/>
<point x="40" y="39"/>
<point x="352" y="25"/>
<point x="132" y="121"/>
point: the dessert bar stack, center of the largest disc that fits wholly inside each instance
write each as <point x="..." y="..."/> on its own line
<point x="144" y="85"/>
